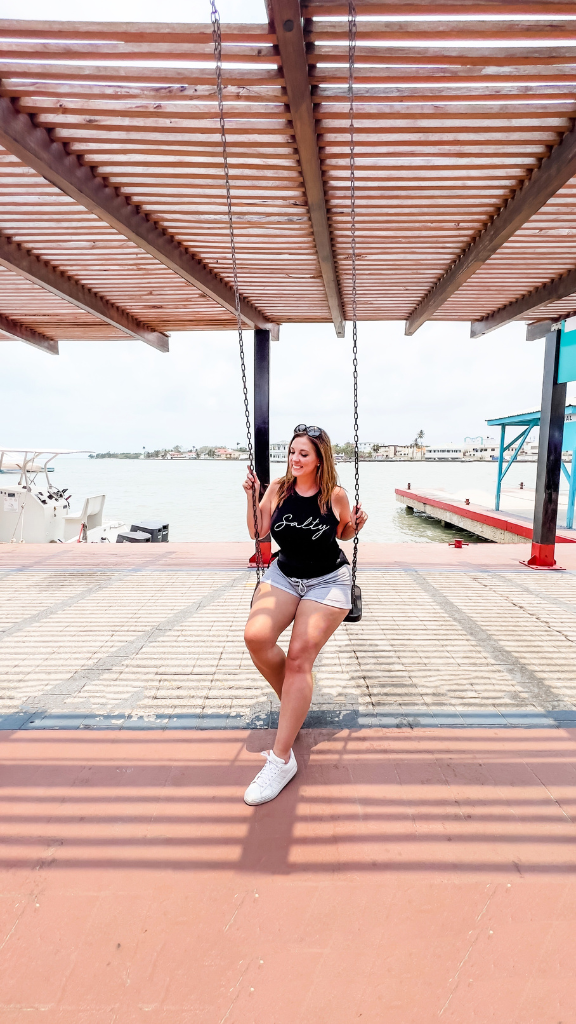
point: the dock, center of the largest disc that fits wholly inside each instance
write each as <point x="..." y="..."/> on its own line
<point x="474" y="512"/>
<point x="428" y="839"/>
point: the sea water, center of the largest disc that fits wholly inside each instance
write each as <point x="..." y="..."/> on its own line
<point x="203" y="500"/>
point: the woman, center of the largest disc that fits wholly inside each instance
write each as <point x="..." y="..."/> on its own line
<point x="306" y="512"/>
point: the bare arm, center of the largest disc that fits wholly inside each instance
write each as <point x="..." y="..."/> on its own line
<point x="348" y="518"/>
<point x="264" y="508"/>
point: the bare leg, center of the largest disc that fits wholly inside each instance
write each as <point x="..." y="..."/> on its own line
<point x="314" y="624"/>
<point x="272" y="612"/>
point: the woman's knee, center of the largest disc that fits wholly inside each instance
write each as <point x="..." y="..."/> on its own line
<point x="300" y="657"/>
<point x="257" y="639"/>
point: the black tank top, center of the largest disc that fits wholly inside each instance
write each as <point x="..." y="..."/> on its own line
<point x="306" y="537"/>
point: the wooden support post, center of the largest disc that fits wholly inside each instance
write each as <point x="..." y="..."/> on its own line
<point x="549" y="458"/>
<point x="262" y="421"/>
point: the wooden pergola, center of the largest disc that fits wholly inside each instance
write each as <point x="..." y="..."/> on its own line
<point x="111" y="177"/>
<point x="113" y="216"/>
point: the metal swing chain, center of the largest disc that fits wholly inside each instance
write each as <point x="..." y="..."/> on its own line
<point x="351" y="56"/>
<point x="217" y="38"/>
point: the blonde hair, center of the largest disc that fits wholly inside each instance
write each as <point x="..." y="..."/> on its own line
<point x="326" y="472"/>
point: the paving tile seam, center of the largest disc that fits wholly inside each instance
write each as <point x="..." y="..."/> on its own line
<point x="541" y="596"/>
<point x="59" y="606"/>
<point x="111" y="661"/>
<point x="515" y="668"/>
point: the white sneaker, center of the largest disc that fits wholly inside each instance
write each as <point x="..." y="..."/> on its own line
<point x="271" y="779"/>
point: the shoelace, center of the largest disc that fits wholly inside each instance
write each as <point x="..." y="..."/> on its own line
<point x="269" y="767"/>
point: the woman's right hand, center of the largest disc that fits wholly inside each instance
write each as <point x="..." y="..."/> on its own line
<point x="250" y="482"/>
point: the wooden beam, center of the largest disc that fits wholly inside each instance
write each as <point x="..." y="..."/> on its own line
<point x="36" y="149"/>
<point x="287" y="23"/>
<point x="14" y="257"/>
<point x="552" y="291"/>
<point x="539" y="329"/>
<point x="22" y="333"/>
<point x="552" y="174"/>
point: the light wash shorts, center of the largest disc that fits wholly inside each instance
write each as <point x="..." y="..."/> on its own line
<point x="334" y="589"/>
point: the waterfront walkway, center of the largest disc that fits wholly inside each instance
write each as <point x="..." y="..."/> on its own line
<point x="409" y="874"/>
<point x="130" y="636"/>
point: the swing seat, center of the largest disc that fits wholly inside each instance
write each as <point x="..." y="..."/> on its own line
<point x="355" y="613"/>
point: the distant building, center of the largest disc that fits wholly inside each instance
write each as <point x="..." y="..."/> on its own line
<point x="444" y="453"/>
<point x="226" y="453"/>
<point x="192" y="454"/>
<point x="381" y="452"/>
<point x="480" y="450"/>
<point x="279" y="451"/>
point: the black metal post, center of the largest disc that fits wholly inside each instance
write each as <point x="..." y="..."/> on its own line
<point x="262" y="406"/>
<point x="262" y="416"/>
<point x="549" y="457"/>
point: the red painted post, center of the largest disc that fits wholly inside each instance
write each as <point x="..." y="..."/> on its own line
<point x="549" y="459"/>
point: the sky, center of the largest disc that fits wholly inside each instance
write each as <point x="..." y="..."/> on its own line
<point x="123" y="395"/>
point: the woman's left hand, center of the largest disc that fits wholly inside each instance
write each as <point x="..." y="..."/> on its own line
<point x="358" y="517"/>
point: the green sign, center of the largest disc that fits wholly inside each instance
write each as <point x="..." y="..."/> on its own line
<point x="567" y="360"/>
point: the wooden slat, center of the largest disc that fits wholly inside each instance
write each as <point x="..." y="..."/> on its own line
<point x="385" y="30"/>
<point x="175" y="76"/>
<point x="287" y="24"/>
<point x="20" y="332"/>
<point x="34" y="147"/>
<point x="144" y="32"/>
<point x="439" y="8"/>
<point x="14" y="257"/>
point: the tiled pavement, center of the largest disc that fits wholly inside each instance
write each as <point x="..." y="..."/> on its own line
<point x="405" y="876"/>
<point x="137" y="646"/>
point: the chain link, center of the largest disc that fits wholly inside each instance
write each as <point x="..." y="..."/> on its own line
<point x="217" y="38"/>
<point x="351" y="56"/>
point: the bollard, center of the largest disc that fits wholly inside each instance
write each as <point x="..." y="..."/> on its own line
<point x="459" y="543"/>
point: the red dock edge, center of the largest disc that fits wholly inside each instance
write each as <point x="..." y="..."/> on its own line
<point x="478" y="514"/>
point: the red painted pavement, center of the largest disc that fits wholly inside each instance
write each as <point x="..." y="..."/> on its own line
<point x="402" y="877"/>
<point x="190" y="556"/>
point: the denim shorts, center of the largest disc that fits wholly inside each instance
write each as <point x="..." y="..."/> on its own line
<point x="334" y="589"/>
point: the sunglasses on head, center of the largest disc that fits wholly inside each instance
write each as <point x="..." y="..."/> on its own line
<point x="311" y="431"/>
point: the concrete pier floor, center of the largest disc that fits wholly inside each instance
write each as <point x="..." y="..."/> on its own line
<point x="420" y="867"/>
<point x="130" y="636"/>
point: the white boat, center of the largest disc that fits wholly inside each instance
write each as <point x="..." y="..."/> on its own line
<point x="34" y="511"/>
